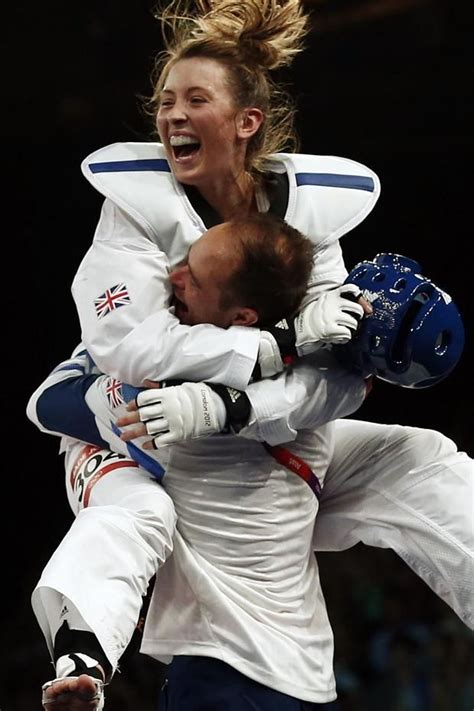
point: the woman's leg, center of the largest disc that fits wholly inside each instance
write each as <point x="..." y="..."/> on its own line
<point x="408" y="489"/>
<point x="99" y="574"/>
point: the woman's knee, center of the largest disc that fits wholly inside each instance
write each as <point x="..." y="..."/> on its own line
<point x="426" y="445"/>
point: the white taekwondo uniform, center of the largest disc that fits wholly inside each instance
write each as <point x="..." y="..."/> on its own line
<point x="147" y="219"/>
<point x="413" y="479"/>
<point x="386" y="485"/>
<point x="242" y="584"/>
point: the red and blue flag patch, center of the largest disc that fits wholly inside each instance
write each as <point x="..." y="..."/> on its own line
<point x="112" y="299"/>
<point x="113" y="391"/>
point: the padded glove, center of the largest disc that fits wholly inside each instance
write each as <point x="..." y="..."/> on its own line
<point x="332" y="319"/>
<point x="181" y="412"/>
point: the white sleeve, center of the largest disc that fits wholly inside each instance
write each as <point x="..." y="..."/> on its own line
<point x="121" y="291"/>
<point x="328" y="271"/>
<point x="314" y="391"/>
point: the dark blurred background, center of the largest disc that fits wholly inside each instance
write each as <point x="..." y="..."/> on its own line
<point x="385" y="82"/>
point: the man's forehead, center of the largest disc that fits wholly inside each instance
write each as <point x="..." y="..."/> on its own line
<point x="214" y="249"/>
<point x="212" y="238"/>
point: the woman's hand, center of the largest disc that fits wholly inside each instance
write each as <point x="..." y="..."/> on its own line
<point x="174" y="414"/>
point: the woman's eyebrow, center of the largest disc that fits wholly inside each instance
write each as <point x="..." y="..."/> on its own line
<point x="189" y="89"/>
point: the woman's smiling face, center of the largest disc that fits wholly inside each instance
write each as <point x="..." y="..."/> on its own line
<point x="198" y="122"/>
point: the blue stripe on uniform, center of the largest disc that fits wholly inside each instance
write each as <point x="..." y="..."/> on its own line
<point x="62" y="408"/>
<point x="69" y="366"/>
<point x="336" y="180"/>
<point x="331" y="180"/>
<point x="124" y="166"/>
<point x="151" y="465"/>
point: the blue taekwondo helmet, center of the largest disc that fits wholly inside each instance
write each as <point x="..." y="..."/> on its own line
<point x="415" y="336"/>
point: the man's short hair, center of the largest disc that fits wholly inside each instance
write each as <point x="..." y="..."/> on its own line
<point x="274" y="271"/>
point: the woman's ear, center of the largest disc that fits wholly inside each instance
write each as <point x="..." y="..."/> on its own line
<point x="248" y="123"/>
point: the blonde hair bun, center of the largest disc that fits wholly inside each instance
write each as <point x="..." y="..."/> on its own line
<point x="263" y="33"/>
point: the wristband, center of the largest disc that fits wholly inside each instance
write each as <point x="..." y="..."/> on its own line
<point x="285" y="335"/>
<point x="237" y="405"/>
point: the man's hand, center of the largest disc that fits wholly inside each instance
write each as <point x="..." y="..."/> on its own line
<point x="174" y="414"/>
<point x="332" y="319"/>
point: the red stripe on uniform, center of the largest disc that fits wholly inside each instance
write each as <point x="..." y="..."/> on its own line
<point x="295" y="464"/>
<point x="102" y="472"/>
<point x="87" y="452"/>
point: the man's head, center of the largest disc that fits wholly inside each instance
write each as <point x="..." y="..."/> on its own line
<point x="253" y="271"/>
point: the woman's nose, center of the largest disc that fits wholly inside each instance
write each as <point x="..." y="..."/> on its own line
<point x="177" y="113"/>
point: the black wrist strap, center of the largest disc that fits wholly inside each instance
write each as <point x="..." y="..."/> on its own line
<point x="237" y="405"/>
<point x="285" y="335"/>
<point x="68" y="641"/>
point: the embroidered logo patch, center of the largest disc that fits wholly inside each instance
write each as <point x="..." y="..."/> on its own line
<point x="112" y="299"/>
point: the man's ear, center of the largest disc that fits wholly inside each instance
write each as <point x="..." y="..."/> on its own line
<point x="249" y="121"/>
<point x="244" y="316"/>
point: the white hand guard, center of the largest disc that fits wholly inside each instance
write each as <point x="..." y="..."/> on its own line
<point x="269" y="357"/>
<point x="333" y="318"/>
<point x="181" y="412"/>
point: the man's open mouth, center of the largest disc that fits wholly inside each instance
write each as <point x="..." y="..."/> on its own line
<point x="180" y="307"/>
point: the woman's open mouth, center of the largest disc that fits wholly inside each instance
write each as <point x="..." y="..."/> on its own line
<point x="185" y="148"/>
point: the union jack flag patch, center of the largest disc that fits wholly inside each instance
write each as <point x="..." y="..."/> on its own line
<point x="112" y="299"/>
<point x="113" y="390"/>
